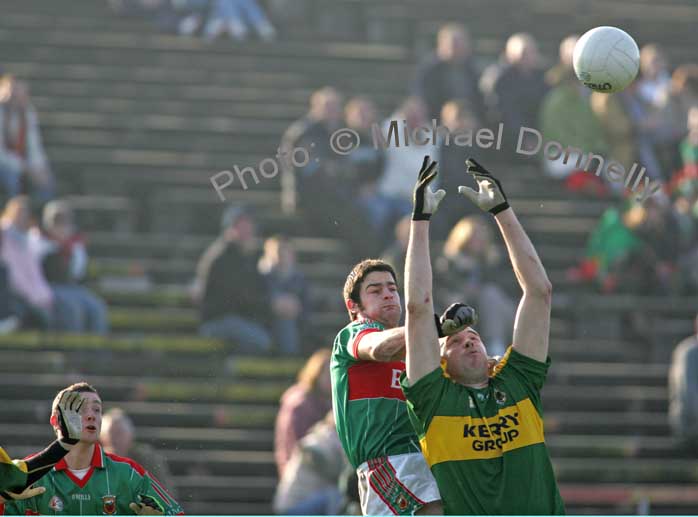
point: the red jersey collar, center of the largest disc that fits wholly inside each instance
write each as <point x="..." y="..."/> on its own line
<point x="97" y="459"/>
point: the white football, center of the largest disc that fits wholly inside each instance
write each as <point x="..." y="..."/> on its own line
<point x="606" y="59"/>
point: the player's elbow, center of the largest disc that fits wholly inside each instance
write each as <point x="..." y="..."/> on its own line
<point x="542" y="290"/>
<point x="419" y="306"/>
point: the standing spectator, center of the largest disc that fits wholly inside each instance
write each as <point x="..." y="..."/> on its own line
<point x="366" y="164"/>
<point x="449" y="73"/>
<point x="566" y="117"/>
<point x="394" y="181"/>
<point x="310" y="483"/>
<point x="232" y="16"/>
<point x="519" y="85"/>
<point x="288" y="289"/>
<point x="118" y="437"/>
<point x="470" y="255"/>
<point x="32" y="299"/>
<point x="564" y="69"/>
<point x="303" y="404"/>
<point x="23" y="164"/>
<point x="654" y="82"/>
<point x="64" y="258"/>
<point x="683" y="392"/>
<point x="232" y="295"/>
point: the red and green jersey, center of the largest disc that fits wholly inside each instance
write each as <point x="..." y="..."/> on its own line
<point x="486" y="446"/>
<point x="369" y="406"/>
<point x="12" y="473"/>
<point x="110" y="485"/>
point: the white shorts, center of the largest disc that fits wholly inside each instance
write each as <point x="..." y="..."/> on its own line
<point x="396" y="485"/>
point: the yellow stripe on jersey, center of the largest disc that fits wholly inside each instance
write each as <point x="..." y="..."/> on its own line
<point x="502" y="362"/>
<point x="5" y="458"/>
<point x="457" y="438"/>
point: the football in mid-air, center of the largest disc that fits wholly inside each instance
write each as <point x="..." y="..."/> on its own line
<point x="606" y="59"/>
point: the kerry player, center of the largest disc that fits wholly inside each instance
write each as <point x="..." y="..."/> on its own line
<point x="482" y="435"/>
<point x="370" y="412"/>
<point x="17" y="476"/>
<point x="89" y="481"/>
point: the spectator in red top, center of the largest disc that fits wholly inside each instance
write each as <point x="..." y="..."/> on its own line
<point x="23" y="164"/>
<point x="302" y="405"/>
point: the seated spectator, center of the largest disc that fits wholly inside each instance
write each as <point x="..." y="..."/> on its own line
<point x="449" y="73"/>
<point x="302" y="405"/>
<point x="32" y="298"/>
<point x="366" y="165"/>
<point x="519" y="85"/>
<point x="683" y="392"/>
<point x="654" y="82"/>
<point x="232" y="16"/>
<point x="118" y="436"/>
<point x="310" y="482"/>
<point x="64" y="259"/>
<point x="618" y="131"/>
<point x="288" y="289"/>
<point x="563" y="70"/>
<point x="396" y="253"/>
<point x="683" y="95"/>
<point x="397" y="180"/>
<point x="232" y="295"/>
<point x="469" y="269"/>
<point x="567" y="118"/>
<point x="23" y="164"/>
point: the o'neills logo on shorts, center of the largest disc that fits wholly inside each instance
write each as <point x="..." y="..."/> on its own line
<point x="109" y="504"/>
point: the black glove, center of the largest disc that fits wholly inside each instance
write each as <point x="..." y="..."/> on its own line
<point x="69" y="418"/>
<point x="490" y="197"/>
<point x="425" y="201"/>
<point x="454" y="319"/>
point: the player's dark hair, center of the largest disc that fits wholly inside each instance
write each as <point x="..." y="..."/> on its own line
<point x="352" y="286"/>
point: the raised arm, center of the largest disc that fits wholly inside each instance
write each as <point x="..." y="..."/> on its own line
<point x="422" y="341"/>
<point x="382" y="346"/>
<point x="532" y="324"/>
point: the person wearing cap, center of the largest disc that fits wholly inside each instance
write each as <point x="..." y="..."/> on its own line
<point x="232" y="295"/>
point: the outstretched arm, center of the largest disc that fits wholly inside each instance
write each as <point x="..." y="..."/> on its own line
<point x="532" y="325"/>
<point x="383" y="346"/>
<point x="422" y="341"/>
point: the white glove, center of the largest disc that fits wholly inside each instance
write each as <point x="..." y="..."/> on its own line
<point x="490" y="196"/>
<point x="69" y="418"/>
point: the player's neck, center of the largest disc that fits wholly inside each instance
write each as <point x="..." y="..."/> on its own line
<point x="80" y="456"/>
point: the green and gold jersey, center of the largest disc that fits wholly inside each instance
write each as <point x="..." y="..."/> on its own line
<point x="108" y="487"/>
<point x="13" y="474"/>
<point x="486" y="446"/>
<point x="369" y="406"/>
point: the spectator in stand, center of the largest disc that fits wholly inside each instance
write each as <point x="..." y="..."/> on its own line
<point x="302" y="405"/>
<point x="654" y="82"/>
<point x="310" y="483"/>
<point x="32" y="298"/>
<point x="458" y="118"/>
<point x="683" y="392"/>
<point x="118" y="437"/>
<point x="289" y="293"/>
<point x="471" y="256"/>
<point x="618" y="131"/>
<point x="23" y="164"/>
<point x="683" y="95"/>
<point x="64" y="259"/>
<point x="396" y="253"/>
<point x="449" y="73"/>
<point x="395" y="182"/>
<point x="366" y="165"/>
<point x="232" y="294"/>
<point x="232" y="16"/>
<point x="567" y="118"/>
<point x="518" y="85"/>
<point x="563" y="70"/>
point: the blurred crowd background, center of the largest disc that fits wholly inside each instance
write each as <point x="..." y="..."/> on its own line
<point x="117" y="252"/>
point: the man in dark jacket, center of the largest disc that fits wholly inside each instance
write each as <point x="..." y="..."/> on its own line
<point x="232" y="294"/>
<point x="449" y="73"/>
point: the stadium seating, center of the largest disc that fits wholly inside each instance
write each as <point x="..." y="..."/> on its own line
<point x="135" y="123"/>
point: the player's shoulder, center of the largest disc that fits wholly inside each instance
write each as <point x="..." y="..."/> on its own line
<point x="123" y="463"/>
